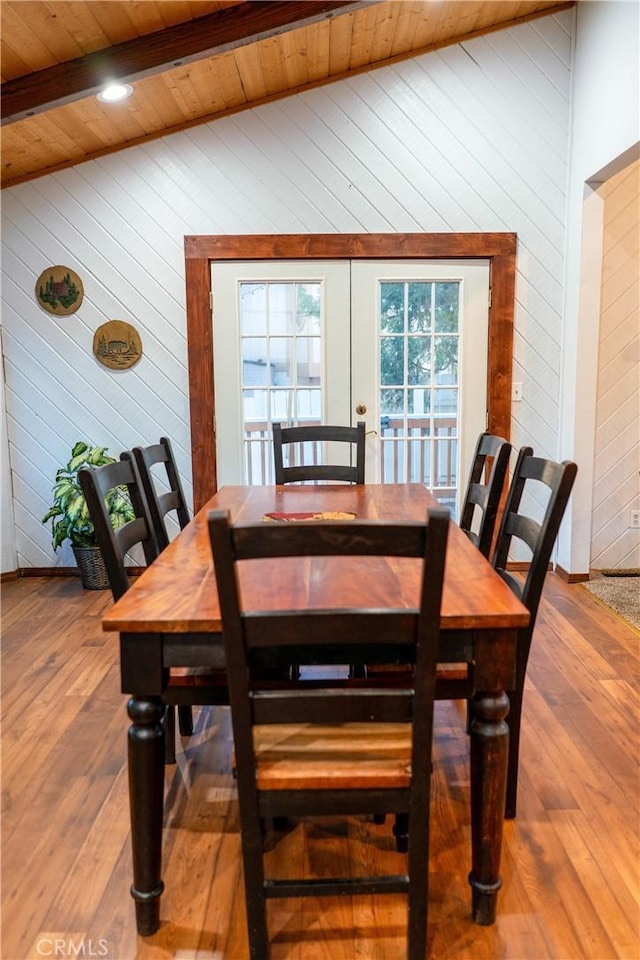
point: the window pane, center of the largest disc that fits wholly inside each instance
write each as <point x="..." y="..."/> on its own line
<point x="282" y="374"/>
<point x="391" y="402"/>
<point x="447" y="307"/>
<point x="418" y="466"/>
<point x="445" y="426"/>
<point x="392" y="307"/>
<point x="309" y="404"/>
<point x="445" y="401"/>
<point x="255" y="369"/>
<point x="308" y="309"/>
<point x="254" y="404"/>
<point x="282" y="406"/>
<point x="308" y="361"/>
<point x="281" y="306"/>
<point x="445" y="454"/>
<point x="253" y="309"/>
<point x="392" y="360"/>
<point x="419" y="307"/>
<point x="393" y="461"/>
<point x="419" y="367"/>
<point x="419" y="402"/>
<point x="446" y="350"/>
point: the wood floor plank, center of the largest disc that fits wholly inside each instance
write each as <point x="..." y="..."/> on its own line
<point x="82" y="888"/>
<point x="570" y="859"/>
<point x="612" y="901"/>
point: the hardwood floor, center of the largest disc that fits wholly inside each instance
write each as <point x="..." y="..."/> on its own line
<point x="570" y="860"/>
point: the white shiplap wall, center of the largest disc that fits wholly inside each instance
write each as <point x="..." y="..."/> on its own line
<point x="617" y="451"/>
<point x="470" y="138"/>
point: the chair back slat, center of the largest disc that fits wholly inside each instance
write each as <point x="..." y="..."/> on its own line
<point x="324" y="705"/>
<point x="314" y="538"/>
<point x="484" y="490"/>
<point x="160" y="503"/>
<point x="319" y="434"/>
<point x="329" y="629"/>
<point x="522" y="528"/>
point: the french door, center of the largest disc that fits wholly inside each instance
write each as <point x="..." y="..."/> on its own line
<point x="400" y="344"/>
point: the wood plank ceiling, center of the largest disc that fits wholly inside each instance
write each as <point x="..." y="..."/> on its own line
<point x="192" y="61"/>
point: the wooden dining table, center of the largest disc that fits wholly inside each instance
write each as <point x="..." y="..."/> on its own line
<point x="170" y="618"/>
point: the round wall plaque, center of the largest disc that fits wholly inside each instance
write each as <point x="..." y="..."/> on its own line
<point x="59" y="290"/>
<point x="117" y="345"/>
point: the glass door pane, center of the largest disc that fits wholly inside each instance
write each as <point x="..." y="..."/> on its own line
<point x="282" y="369"/>
<point x="419" y="367"/>
<point x="281" y="355"/>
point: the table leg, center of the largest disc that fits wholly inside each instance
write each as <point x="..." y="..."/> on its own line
<point x="146" y="789"/>
<point x="489" y="746"/>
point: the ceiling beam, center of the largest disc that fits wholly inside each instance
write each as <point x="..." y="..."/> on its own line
<point x="184" y="43"/>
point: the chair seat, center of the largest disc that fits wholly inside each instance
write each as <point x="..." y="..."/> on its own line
<point x="322" y="757"/>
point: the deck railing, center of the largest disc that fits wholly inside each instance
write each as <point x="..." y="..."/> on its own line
<point x="426" y="453"/>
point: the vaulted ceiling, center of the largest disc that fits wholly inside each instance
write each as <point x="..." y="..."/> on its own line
<point x="191" y="61"/>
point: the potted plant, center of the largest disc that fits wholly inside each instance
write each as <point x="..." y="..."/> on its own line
<point x="70" y="518"/>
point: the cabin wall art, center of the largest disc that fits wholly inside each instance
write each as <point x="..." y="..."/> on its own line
<point x="117" y="345"/>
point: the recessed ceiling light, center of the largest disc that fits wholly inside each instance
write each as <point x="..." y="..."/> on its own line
<point x="115" y="92"/>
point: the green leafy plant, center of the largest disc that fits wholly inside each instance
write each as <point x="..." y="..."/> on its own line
<point x="69" y="515"/>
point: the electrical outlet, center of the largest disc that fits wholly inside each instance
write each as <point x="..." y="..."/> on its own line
<point x="516" y="392"/>
<point x="634" y="518"/>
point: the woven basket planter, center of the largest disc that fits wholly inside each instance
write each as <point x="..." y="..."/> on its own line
<point x="93" y="572"/>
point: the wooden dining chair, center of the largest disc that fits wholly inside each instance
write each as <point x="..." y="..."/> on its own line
<point x="114" y="543"/>
<point x="545" y="485"/>
<point x="114" y="547"/>
<point x="318" y="434"/>
<point x="161" y="502"/>
<point x="318" y="749"/>
<point x="535" y="525"/>
<point x="478" y="520"/>
<point x="484" y="490"/>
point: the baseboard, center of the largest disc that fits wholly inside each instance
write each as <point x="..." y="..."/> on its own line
<point x="521" y="567"/>
<point x="39" y="572"/>
<point x="7" y="577"/>
<point x="54" y="572"/>
<point x="570" y="577"/>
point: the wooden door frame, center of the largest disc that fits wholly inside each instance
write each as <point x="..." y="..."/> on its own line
<point x="201" y="251"/>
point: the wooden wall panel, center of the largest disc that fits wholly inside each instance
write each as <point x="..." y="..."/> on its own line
<point x="472" y="138"/>
<point x="617" y="455"/>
